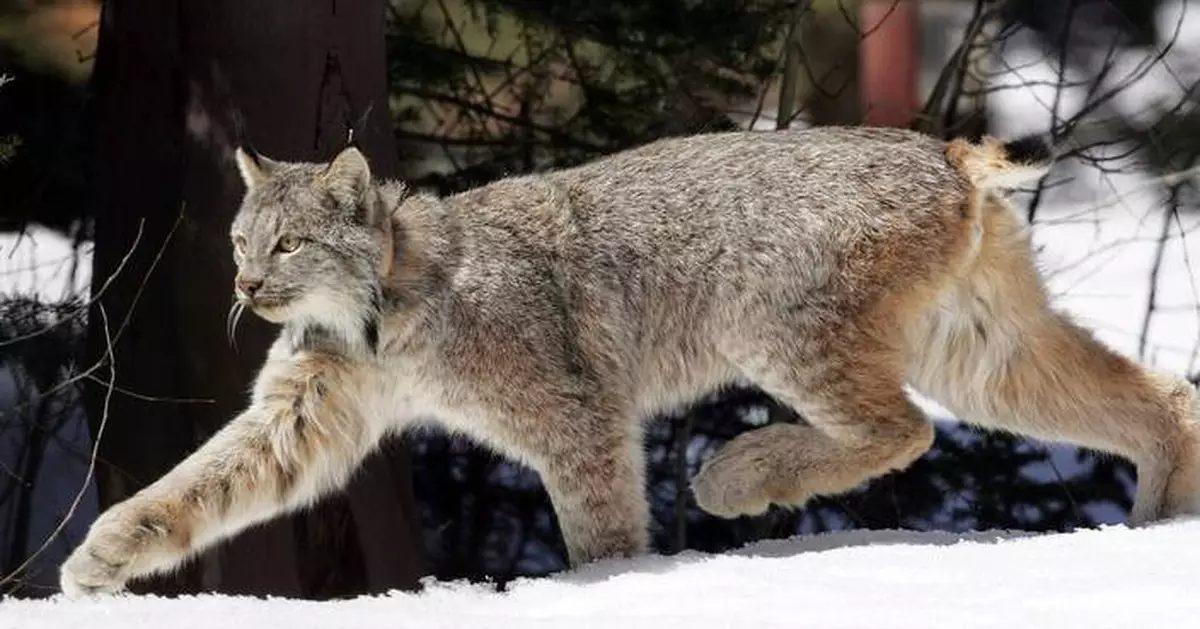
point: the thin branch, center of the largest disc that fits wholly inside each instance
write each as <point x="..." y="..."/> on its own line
<point x="148" y="398"/>
<point x="1195" y="306"/>
<point x="957" y="65"/>
<point x="1155" y="271"/>
<point x="93" y="300"/>
<point x="87" y="480"/>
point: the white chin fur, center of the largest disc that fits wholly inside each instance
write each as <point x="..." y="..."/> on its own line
<point x="274" y="315"/>
<point x="318" y="307"/>
<point x="312" y="307"/>
<point x="322" y="307"/>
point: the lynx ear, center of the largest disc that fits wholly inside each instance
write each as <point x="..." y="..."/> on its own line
<point x="254" y="168"/>
<point x="347" y="177"/>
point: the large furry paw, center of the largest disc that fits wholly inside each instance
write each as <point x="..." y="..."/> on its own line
<point x="729" y="488"/>
<point x="742" y="480"/>
<point x="117" y="542"/>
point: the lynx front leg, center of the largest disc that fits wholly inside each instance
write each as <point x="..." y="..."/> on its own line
<point x="298" y="440"/>
<point x="597" y="487"/>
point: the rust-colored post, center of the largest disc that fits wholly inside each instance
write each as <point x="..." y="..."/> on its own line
<point x="889" y="60"/>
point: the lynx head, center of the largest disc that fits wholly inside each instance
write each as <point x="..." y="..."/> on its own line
<point x="310" y="242"/>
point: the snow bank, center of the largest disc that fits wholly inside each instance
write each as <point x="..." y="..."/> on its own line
<point x="44" y="263"/>
<point x="1113" y="577"/>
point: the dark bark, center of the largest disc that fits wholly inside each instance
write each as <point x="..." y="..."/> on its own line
<point x="177" y="86"/>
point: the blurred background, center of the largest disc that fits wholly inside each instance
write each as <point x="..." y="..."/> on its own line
<point x="117" y="122"/>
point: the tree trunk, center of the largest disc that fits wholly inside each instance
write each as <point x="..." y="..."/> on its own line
<point x="177" y="86"/>
<point x="889" y="61"/>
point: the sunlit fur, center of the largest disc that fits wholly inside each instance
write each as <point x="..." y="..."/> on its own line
<point x="548" y="316"/>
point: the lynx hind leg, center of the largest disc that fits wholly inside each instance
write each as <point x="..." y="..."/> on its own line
<point x="996" y="355"/>
<point x="860" y="425"/>
<point x="1182" y="493"/>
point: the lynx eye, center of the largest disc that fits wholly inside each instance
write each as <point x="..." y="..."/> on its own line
<point x="239" y="245"/>
<point x="288" y="244"/>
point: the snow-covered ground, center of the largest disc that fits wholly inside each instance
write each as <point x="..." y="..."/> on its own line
<point x="43" y="263"/>
<point x="1114" y="578"/>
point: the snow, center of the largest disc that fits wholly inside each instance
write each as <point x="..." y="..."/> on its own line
<point x="1097" y="263"/>
<point x="42" y="262"/>
<point x="1112" y="577"/>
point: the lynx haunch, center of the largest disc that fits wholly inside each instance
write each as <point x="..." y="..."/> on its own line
<point x="549" y="316"/>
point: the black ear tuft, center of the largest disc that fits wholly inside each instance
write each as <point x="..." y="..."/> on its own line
<point x="253" y="167"/>
<point x="251" y="152"/>
<point x="359" y="125"/>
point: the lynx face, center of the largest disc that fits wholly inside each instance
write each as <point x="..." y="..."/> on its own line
<point x="303" y="241"/>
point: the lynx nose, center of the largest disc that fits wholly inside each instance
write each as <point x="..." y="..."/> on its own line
<point x="247" y="286"/>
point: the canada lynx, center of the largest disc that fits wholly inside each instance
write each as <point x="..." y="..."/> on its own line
<point x="548" y="316"/>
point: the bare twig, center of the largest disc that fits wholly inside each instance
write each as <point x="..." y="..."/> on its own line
<point x="87" y="480"/>
<point x="1160" y="250"/>
<point x="791" y="74"/>
<point x="82" y="310"/>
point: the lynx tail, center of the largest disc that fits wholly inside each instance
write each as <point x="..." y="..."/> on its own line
<point x="996" y="165"/>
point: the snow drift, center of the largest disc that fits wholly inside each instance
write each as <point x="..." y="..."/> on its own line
<point x="1114" y="577"/>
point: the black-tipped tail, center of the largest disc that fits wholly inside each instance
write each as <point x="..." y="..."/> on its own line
<point x="1032" y="149"/>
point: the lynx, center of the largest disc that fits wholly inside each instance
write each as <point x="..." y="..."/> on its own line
<point x="549" y="316"/>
